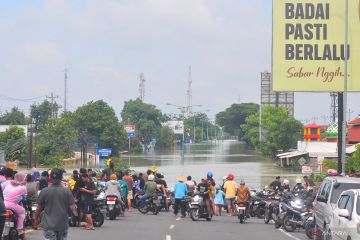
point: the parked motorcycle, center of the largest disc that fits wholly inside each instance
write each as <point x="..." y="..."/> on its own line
<point x="97" y="214"/>
<point x="296" y="215"/>
<point x="257" y="205"/>
<point x="198" y="209"/>
<point x="10" y="229"/>
<point x="312" y="232"/>
<point x="272" y="201"/>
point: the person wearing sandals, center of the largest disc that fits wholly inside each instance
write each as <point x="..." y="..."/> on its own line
<point x="88" y="193"/>
<point x="54" y="204"/>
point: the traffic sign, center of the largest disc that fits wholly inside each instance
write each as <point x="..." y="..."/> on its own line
<point x="302" y="161"/>
<point x="130" y="128"/>
<point x="131" y="134"/>
<point x="104" y="152"/>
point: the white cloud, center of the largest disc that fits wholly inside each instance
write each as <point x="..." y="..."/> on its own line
<point x="43" y="53"/>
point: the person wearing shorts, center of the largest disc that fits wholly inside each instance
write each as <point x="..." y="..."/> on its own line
<point x="88" y="193"/>
<point x="204" y="190"/>
<point x="130" y="182"/>
<point x="230" y="193"/>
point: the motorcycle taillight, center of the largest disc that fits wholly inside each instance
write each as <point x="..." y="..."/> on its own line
<point x="8" y="214"/>
<point x="110" y="198"/>
<point x="242" y="205"/>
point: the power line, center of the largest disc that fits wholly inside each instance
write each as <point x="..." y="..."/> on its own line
<point x="7" y="98"/>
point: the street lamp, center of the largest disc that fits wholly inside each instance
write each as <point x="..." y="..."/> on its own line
<point x="183" y="109"/>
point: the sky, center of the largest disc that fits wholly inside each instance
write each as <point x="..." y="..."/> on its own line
<point x="107" y="44"/>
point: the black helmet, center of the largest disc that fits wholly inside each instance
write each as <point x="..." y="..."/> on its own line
<point x="56" y="174"/>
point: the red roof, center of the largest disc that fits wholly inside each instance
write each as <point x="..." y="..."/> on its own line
<point x="312" y="125"/>
<point x="356" y="121"/>
<point x="354" y="134"/>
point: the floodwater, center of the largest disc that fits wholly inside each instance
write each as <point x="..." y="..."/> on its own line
<point x="220" y="157"/>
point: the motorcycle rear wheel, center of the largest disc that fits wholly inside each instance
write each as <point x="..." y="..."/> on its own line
<point x="288" y="226"/>
<point x="143" y="208"/>
<point x="73" y="221"/>
<point x="311" y="233"/>
<point x="194" y="214"/>
<point x="98" y="219"/>
<point x="260" y="213"/>
<point x="112" y="215"/>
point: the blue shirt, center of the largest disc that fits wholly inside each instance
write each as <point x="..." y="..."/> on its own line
<point x="219" y="197"/>
<point x="180" y="190"/>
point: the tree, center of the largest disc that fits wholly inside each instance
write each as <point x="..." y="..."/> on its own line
<point x="165" y="137"/>
<point x="353" y="162"/>
<point x="14" y="117"/>
<point x="42" y="112"/>
<point x="13" y="141"/>
<point x="135" y="111"/>
<point x="281" y="132"/>
<point x="250" y="130"/>
<point x="146" y="117"/>
<point x="56" y="140"/>
<point x="98" y="120"/>
<point x="234" y="116"/>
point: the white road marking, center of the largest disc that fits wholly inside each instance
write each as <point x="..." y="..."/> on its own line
<point x="168" y="237"/>
<point x="171" y="226"/>
<point x="177" y="219"/>
<point x="288" y="234"/>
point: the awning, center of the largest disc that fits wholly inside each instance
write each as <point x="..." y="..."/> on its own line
<point x="291" y="154"/>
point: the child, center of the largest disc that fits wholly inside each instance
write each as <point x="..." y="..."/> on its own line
<point x="219" y="200"/>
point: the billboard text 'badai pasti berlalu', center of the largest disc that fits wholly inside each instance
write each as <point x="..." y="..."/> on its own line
<point x="309" y="49"/>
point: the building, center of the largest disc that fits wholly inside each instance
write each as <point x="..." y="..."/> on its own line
<point x="354" y="131"/>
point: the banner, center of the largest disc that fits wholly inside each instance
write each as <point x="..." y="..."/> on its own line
<point x="309" y="45"/>
<point x="176" y="126"/>
<point x="130" y="128"/>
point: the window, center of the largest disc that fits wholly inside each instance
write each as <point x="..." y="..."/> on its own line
<point x="343" y="201"/>
<point x="342" y="187"/>
<point x="325" y="189"/>
<point x="350" y="204"/>
<point x="358" y="206"/>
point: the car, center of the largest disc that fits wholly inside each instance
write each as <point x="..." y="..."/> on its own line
<point x="346" y="222"/>
<point x="327" y="199"/>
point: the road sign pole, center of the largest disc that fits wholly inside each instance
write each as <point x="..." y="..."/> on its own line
<point x="129" y="151"/>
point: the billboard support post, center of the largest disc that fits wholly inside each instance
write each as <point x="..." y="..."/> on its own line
<point x="344" y="107"/>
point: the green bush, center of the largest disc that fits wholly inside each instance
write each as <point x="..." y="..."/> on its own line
<point x="330" y="164"/>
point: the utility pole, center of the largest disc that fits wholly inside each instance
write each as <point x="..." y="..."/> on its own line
<point x="30" y="147"/>
<point x="142" y="87"/>
<point x="52" y="101"/>
<point x="65" y="90"/>
<point x="189" y="94"/>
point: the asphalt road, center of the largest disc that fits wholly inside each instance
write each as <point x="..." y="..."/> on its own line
<point x="166" y="227"/>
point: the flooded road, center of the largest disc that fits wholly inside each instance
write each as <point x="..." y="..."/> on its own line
<point x="221" y="158"/>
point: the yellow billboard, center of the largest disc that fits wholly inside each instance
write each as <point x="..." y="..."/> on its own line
<point x="309" y="45"/>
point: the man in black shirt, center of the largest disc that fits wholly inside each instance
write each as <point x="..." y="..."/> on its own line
<point x="276" y="185"/>
<point x="87" y="195"/>
<point x="162" y="183"/>
<point x="204" y="190"/>
<point x="43" y="182"/>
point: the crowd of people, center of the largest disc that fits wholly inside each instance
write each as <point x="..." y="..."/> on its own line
<point x="56" y="195"/>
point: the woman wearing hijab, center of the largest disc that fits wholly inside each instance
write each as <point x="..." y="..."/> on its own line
<point x="14" y="191"/>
